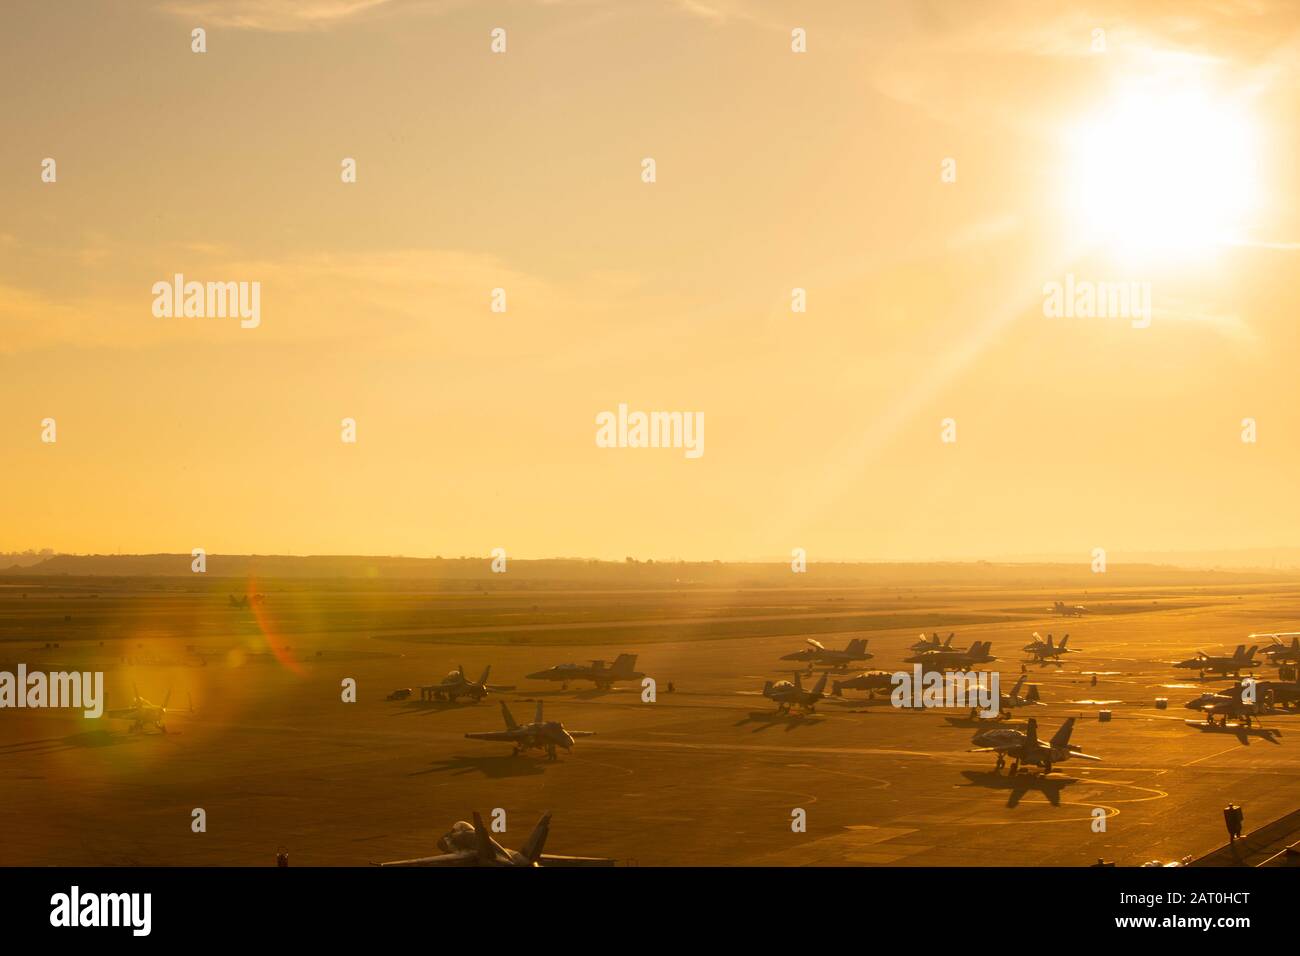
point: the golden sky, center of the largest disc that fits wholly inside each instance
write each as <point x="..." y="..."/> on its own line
<point x="1166" y="158"/>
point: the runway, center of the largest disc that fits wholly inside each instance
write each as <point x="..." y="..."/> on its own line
<point x="706" y="774"/>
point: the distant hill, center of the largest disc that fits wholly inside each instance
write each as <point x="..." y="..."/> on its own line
<point x="1252" y="559"/>
<point x="24" y="559"/>
<point x="590" y="573"/>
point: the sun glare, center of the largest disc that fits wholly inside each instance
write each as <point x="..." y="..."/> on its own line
<point x="1162" y="176"/>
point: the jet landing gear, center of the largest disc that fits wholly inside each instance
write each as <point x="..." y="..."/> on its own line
<point x="1002" y="762"/>
<point x="550" y="752"/>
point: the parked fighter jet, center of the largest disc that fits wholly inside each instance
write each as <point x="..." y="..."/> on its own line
<point x="1244" y="701"/>
<point x="1014" y="699"/>
<point x="1043" y="651"/>
<point x="870" y="681"/>
<point x="1285" y="693"/>
<point x="141" y="712"/>
<point x="470" y="844"/>
<point x="951" y="659"/>
<point x="1203" y="663"/>
<point x="931" y="643"/>
<point x="455" y="685"/>
<point x="787" y="694"/>
<point x="539" y="735"/>
<point x="817" y="653"/>
<point x="604" y="675"/>
<point x="1280" y="653"/>
<point x="1006" y="704"/>
<point x="1068" y="610"/>
<point x="1027" y="748"/>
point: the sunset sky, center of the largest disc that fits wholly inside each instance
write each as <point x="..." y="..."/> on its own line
<point x="1167" y="158"/>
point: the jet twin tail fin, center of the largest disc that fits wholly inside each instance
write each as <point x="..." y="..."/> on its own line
<point x="1062" y="736"/>
<point x="537" y="839"/>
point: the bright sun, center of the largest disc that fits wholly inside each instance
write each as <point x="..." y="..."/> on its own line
<point x="1162" y="176"/>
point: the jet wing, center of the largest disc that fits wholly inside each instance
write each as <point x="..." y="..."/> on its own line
<point x="1075" y="753"/>
<point x="493" y="735"/>
<point x="497" y="688"/>
<point x="581" y="733"/>
<point x="463" y="858"/>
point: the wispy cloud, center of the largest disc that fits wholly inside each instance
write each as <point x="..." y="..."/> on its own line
<point x="279" y="16"/>
<point x="386" y="299"/>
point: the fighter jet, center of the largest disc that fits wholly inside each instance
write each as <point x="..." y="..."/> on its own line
<point x="1027" y="748"/>
<point x="142" y="713"/>
<point x="870" y="681"/>
<point x="1043" y="651"/>
<point x="931" y="643"/>
<point x="1284" y="693"/>
<point x="1014" y="699"/>
<point x="604" y="675"/>
<point x="539" y="735"/>
<point x="471" y="844"/>
<point x="1245" y="700"/>
<point x="952" y="659"/>
<point x="788" y="695"/>
<point x="1203" y="663"/>
<point x="817" y="653"/>
<point x="455" y="685"/>
<point x="1280" y="653"/>
<point x="1068" y="610"/>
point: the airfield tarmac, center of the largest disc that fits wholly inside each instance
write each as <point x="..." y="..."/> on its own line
<point x="706" y="775"/>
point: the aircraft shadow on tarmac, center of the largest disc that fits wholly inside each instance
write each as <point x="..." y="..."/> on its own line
<point x="1020" y="784"/>
<point x="91" y="738"/>
<point x="767" y="719"/>
<point x="591" y="693"/>
<point x="1243" y="734"/>
<point x="496" y="767"/>
<point x="425" y="707"/>
<point x="979" y="724"/>
<point x="862" y="701"/>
